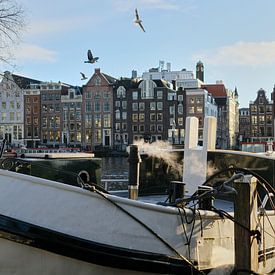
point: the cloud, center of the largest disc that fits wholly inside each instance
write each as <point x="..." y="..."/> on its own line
<point x="34" y="53"/>
<point x="240" y="54"/>
<point x="53" y="25"/>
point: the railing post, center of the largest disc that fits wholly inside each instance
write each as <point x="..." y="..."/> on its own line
<point x="246" y="246"/>
<point x="134" y="163"/>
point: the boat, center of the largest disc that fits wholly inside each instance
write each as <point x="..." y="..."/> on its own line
<point x="52" y="153"/>
<point x="49" y="227"/>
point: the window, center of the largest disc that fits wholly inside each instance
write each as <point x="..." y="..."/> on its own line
<point x="159" y="106"/>
<point x="141" y="106"/>
<point x="12" y="116"/>
<point x="261" y="119"/>
<point x="117" y="126"/>
<point x="97" y="106"/>
<point x="152" y="117"/>
<point x="253" y="108"/>
<point x="141" y="128"/>
<point x="141" y="117"/>
<point x="159" y="94"/>
<point x="180" y="109"/>
<point x="88" y="120"/>
<point x="28" y="109"/>
<point x="180" y="121"/>
<point x="29" y="131"/>
<point x="191" y="110"/>
<point x="35" y="120"/>
<point x="57" y="121"/>
<point x="4" y="116"/>
<point x="117" y="114"/>
<point x="124" y="115"/>
<point x="180" y="97"/>
<point x="135" y="95"/>
<point x="29" y="121"/>
<point x="254" y="119"/>
<point x="106" y="106"/>
<point x="134" y="128"/>
<point x="107" y="120"/>
<point x="124" y="126"/>
<point x="121" y="92"/>
<point x="261" y="109"/>
<point x="97" y="94"/>
<point x="98" y="136"/>
<point x="199" y="100"/>
<point x="44" y="122"/>
<point x="152" y="128"/>
<point x="97" y="120"/>
<point x="152" y="106"/>
<point x="159" y="117"/>
<point x="172" y="110"/>
<point x="88" y="106"/>
<point x="97" y="80"/>
<point x="106" y="94"/>
<point x="199" y="109"/>
<point x="4" y="105"/>
<point x="135" y="106"/>
<point x="124" y="105"/>
<point x="135" y="117"/>
<point x="159" y="128"/>
<point x="88" y="94"/>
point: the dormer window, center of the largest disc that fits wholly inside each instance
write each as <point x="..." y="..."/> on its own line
<point x="97" y="80"/>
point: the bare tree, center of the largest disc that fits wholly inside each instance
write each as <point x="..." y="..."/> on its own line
<point x="11" y="25"/>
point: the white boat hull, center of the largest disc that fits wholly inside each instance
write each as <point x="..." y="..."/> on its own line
<point x="54" y="221"/>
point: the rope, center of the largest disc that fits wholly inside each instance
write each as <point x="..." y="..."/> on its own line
<point x="149" y="229"/>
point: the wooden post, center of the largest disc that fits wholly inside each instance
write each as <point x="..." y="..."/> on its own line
<point x="134" y="163"/>
<point x="246" y="246"/>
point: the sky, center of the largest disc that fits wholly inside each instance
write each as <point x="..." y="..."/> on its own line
<point x="234" y="39"/>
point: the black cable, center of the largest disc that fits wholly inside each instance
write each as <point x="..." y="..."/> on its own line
<point x="150" y="230"/>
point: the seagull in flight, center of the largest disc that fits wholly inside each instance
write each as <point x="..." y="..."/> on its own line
<point x="138" y="21"/>
<point x="83" y="76"/>
<point x="91" y="59"/>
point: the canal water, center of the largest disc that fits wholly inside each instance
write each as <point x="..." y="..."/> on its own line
<point x="116" y="166"/>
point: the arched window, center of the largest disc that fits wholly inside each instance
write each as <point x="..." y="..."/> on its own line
<point x="147" y="88"/>
<point x="121" y="92"/>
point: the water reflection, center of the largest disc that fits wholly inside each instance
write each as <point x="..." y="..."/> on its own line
<point x="115" y="166"/>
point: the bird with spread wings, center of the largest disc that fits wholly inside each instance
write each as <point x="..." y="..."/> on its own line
<point x="91" y="59"/>
<point x="138" y="21"/>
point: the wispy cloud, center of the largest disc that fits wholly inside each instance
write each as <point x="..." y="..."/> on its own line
<point x="241" y="54"/>
<point x="34" y="53"/>
<point x="58" y="25"/>
<point x="123" y="5"/>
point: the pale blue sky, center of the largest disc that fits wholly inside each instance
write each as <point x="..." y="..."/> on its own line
<point x="234" y="39"/>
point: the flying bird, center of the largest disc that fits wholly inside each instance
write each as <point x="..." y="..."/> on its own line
<point x="138" y="21"/>
<point x="83" y="76"/>
<point x="91" y="59"/>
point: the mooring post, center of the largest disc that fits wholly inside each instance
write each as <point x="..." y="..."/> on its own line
<point x="134" y="163"/>
<point x="3" y="147"/>
<point x="245" y="209"/>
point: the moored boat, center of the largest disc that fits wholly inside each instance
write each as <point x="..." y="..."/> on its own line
<point x="50" y="227"/>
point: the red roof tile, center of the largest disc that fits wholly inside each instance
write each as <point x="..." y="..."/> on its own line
<point x="217" y="90"/>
